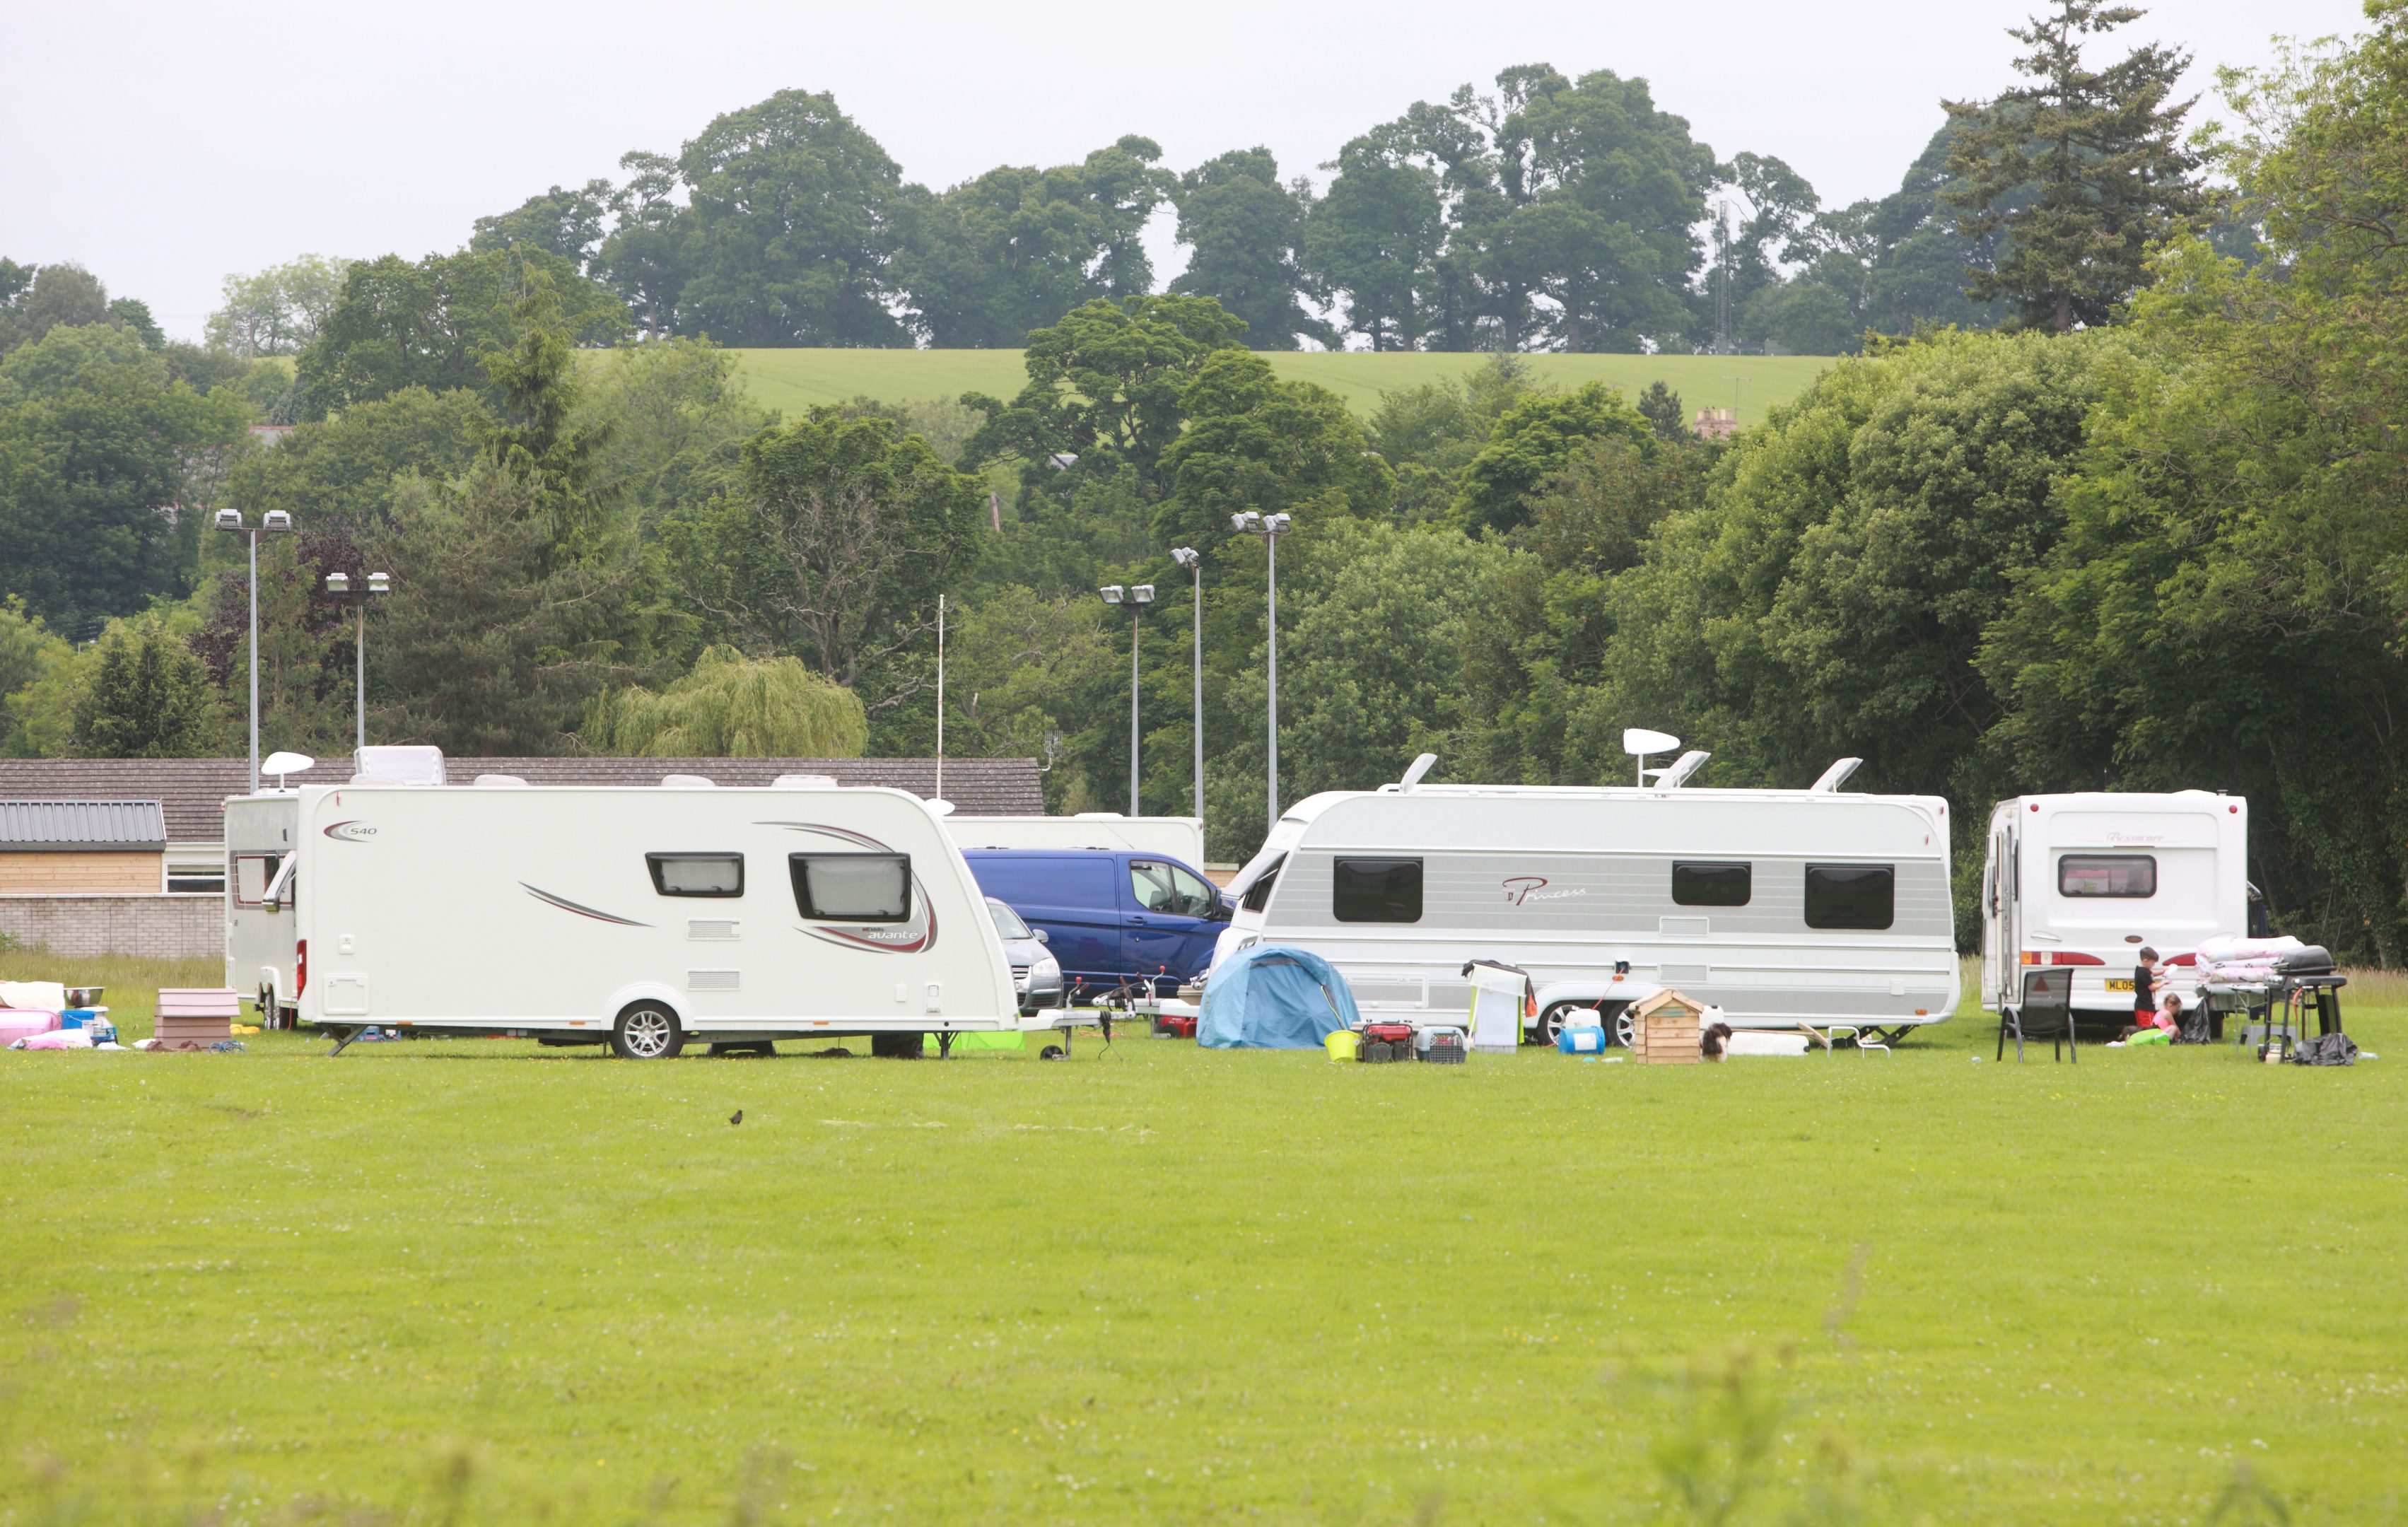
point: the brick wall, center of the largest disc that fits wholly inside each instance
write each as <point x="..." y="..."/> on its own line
<point x="154" y="926"/>
<point x="74" y="873"/>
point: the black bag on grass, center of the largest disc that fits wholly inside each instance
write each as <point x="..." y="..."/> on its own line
<point x="2326" y="1049"/>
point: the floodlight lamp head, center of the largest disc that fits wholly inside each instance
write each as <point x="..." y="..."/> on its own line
<point x="1248" y="523"/>
<point x="1141" y="594"/>
<point x="1277" y="524"/>
<point x="338" y="583"/>
<point x="1112" y="593"/>
<point x="276" y="520"/>
<point x="1188" y="557"/>
<point x="227" y="520"/>
<point x="379" y="583"/>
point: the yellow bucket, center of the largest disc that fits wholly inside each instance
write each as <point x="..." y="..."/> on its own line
<point x="1344" y="1045"/>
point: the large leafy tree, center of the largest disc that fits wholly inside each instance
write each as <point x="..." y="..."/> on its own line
<point x="1104" y="392"/>
<point x="562" y="222"/>
<point x="147" y="696"/>
<point x="788" y="226"/>
<point x="2228" y="583"/>
<point x="1370" y="242"/>
<point x="1015" y="249"/>
<point x="2101" y="150"/>
<point x="729" y="706"/>
<point x="1256" y="442"/>
<point x="98" y="448"/>
<point x="435" y="323"/>
<point x="34" y="299"/>
<point x="1247" y="234"/>
<point x="348" y="468"/>
<point x="833" y="548"/>
<point x="278" y="311"/>
<point x="1536" y="437"/>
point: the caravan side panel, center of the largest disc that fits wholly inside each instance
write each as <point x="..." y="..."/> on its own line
<point x="539" y="909"/>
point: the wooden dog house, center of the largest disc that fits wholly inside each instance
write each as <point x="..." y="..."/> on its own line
<point x="1664" y="1028"/>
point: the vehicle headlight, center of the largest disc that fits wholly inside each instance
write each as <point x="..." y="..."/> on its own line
<point x="1046" y="972"/>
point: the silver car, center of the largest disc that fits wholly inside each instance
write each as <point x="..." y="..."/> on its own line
<point x="1036" y="975"/>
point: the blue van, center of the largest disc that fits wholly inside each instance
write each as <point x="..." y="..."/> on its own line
<point x="1109" y="914"/>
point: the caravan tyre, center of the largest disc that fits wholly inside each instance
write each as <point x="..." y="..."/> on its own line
<point x="1550" y="1025"/>
<point x="647" y="1031"/>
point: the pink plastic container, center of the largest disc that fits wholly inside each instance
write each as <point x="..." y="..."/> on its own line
<point x="18" y="1023"/>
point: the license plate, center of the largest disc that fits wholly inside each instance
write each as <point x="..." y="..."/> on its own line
<point x="2119" y="986"/>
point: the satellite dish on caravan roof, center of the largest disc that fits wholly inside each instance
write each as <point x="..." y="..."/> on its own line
<point x="280" y="765"/>
<point x="1639" y="742"/>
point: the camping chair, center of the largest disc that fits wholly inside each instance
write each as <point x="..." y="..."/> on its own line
<point x="2045" y="1012"/>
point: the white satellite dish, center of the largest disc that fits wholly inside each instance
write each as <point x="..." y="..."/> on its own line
<point x="280" y="765"/>
<point x="1637" y="741"/>
<point x="942" y="808"/>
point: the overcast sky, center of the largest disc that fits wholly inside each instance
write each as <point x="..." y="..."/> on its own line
<point x="166" y="145"/>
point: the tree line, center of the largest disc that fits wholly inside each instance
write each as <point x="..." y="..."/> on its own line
<point x="2141" y="531"/>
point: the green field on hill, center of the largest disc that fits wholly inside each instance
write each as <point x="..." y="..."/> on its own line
<point x="474" y="1282"/>
<point x="793" y="379"/>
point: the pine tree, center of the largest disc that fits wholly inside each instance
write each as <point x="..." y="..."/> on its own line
<point x="2080" y="170"/>
<point x="149" y="697"/>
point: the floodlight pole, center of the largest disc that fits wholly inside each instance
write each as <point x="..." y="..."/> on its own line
<point x="274" y="521"/>
<point x="1270" y="527"/>
<point x="1189" y="558"/>
<point x="340" y="586"/>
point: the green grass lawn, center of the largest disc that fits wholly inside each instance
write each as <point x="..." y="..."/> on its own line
<point x="472" y="1282"/>
<point x="793" y="379"/>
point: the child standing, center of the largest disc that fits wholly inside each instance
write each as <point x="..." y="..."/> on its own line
<point x="2144" y="990"/>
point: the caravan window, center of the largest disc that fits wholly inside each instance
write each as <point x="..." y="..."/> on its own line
<point x="1377" y="891"/>
<point x="251" y="874"/>
<point x="1258" y="895"/>
<point x="1698" y="882"/>
<point x="2128" y="875"/>
<point x="696" y="874"/>
<point x="1850" y="895"/>
<point x="853" y="887"/>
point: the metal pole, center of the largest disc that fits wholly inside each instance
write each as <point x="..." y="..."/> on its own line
<point x="253" y="536"/>
<point x="1272" y="542"/>
<point x="940" y="694"/>
<point x="1198" y="725"/>
<point x="1132" y="735"/>
<point x="360" y="666"/>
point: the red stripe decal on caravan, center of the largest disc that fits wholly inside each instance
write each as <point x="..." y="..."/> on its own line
<point x="567" y="906"/>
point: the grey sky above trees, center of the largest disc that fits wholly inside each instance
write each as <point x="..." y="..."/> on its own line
<point x="347" y="136"/>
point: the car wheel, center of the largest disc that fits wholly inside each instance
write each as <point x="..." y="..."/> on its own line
<point x="647" y="1031"/>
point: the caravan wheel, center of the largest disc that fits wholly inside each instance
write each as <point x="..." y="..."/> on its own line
<point x="647" y="1031"/>
<point x="1551" y="1023"/>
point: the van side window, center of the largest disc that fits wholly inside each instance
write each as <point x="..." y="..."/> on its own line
<point x="1850" y="895"/>
<point x="1169" y="889"/>
<point x="1698" y="882"/>
<point x="696" y="874"/>
<point x="1377" y="891"/>
<point x="853" y="887"/>
<point x="251" y="874"/>
<point x="1258" y="895"/>
<point x="2127" y="875"/>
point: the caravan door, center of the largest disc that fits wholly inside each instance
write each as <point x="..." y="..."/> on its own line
<point x="2002" y="891"/>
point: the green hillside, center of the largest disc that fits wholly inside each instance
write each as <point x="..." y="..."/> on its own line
<point x="793" y="379"/>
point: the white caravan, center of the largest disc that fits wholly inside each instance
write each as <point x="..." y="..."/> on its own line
<point x="1780" y="906"/>
<point x="637" y="917"/>
<point x="260" y="936"/>
<point x="1177" y="837"/>
<point x="2087" y="880"/>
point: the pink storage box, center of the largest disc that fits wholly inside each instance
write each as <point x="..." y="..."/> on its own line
<point x="17" y="1024"/>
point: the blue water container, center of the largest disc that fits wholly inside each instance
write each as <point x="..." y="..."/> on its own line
<point x="1587" y="1039"/>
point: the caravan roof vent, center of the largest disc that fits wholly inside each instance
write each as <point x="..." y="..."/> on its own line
<point x="805" y="781"/>
<point x="1414" y="774"/>
<point x="1681" y="769"/>
<point x="1096" y="816"/>
<point x="412" y="765"/>
<point x="1836" y="775"/>
<point x="506" y="781"/>
<point x="688" y="781"/>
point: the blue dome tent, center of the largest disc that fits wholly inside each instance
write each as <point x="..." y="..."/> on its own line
<point x="1271" y="997"/>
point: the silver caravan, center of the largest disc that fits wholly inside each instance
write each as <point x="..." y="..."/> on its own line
<point x="2087" y="880"/>
<point x="640" y="918"/>
<point x="1780" y="906"/>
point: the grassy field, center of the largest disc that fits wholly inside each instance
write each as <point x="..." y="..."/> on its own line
<point x="793" y="379"/>
<point x="472" y="1282"/>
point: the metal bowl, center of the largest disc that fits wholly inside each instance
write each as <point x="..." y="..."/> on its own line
<point x="84" y="996"/>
